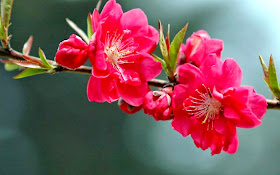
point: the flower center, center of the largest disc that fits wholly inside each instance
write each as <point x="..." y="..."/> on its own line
<point x="204" y="106"/>
<point x="117" y="48"/>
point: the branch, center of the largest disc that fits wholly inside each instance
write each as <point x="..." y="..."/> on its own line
<point x="12" y="54"/>
<point x="273" y="104"/>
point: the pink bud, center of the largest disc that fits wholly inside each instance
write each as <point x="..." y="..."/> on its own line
<point x="158" y="104"/>
<point x="72" y="53"/>
<point x="127" y="108"/>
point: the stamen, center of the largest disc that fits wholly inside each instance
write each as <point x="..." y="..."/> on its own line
<point x="206" y="106"/>
<point x="116" y="49"/>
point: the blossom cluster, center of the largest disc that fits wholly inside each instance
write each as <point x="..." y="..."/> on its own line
<point x="207" y="100"/>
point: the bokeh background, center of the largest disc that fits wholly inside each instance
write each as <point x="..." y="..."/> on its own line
<point x="48" y="127"/>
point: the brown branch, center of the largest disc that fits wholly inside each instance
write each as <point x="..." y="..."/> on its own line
<point x="12" y="54"/>
<point x="273" y="104"/>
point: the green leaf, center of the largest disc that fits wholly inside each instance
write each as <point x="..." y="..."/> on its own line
<point x="6" y="9"/>
<point x="30" y="72"/>
<point x="2" y="34"/>
<point x="89" y="26"/>
<point x="162" y="44"/>
<point x="27" y="46"/>
<point x="175" y="47"/>
<point x="163" y="63"/>
<point x="272" y="78"/>
<point x="11" y="67"/>
<point x="44" y="60"/>
<point x="78" y="30"/>
<point x="265" y="70"/>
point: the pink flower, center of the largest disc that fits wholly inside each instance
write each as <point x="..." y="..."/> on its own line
<point x="197" y="47"/>
<point x="119" y="53"/>
<point x="209" y="104"/>
<point x="127" y="108"/>
<point x="158" y="104"/>
<point x="72" y="53"/>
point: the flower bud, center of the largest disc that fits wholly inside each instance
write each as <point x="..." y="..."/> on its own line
<point x="127" y="108"/>
<point x="72" y="53"/>
<point x="197" y="47"/>
<point x="158" y="104"/>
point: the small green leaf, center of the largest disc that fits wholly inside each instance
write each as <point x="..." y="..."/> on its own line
<point x="6" y="9"/>
<point x="2" y="34"/>
<point x="78" y="30"/>
<point x="89" y="26"/>
<point x="175" y="47"/>
<point x="11" y="67"/>
<point x="162" y="44"/>
<point x="272" y="78"/>
<point x="27" y="46"/>
<point x="44" y="60"/>
<point x="265" y="70"/>
<point x="30" y="72"/>
<point x="163" y="63"/>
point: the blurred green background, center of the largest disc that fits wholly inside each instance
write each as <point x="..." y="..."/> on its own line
<point x="47" y="125"/>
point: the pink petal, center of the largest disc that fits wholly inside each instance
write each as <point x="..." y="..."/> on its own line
<point x="130" y="77"/>
<point x="112" y="8"/>
<point x="149" y="103"/>
<point x="257" y="103"/>
<point x="190" y="75"/>
<point x="96" y="55"/>
<point x="214" y="46"/>
<point x="203" y="34"/>
<point x="220" y="74"/>
<point x="153" y="34"/>
<point x="102" y="89"/>
<point x="217" y="144"/>
<point x="224" y="127"/>
<point x="133" y="95"/>
<point x="180" y="93"/>
<point x="72" y="53"/>
<point x="231" y="144"/>
<point x="145" y="65"/>
<point x="135" y="20"/>
<point x="237" y="107"/>
<point x="127" y="108"/>
<point x="181" y="122"/>
<point x="110" y="25"/>
<point x="95" y="20"/>
<point x="146" y="44"/>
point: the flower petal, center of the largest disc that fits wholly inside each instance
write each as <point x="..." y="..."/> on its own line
<point x="102" y="89"/>
<point x="257" y="103"/>
<point x="214" y="46"/>
<point x="231" y="144"/>
<point x="237" y="107"/>
<point x="180" y="93"/>
<point x="112" y="8"/>
<point x="133" y="95"/>
<point x="182" y="122"/>
<point x="135" y="20"/>
<point x="221" y="74"/>
<point x="145" y="65"/>
<point x="224" y="127"/>
<point x="72" y="53"/>
<point x="190" y="75"/>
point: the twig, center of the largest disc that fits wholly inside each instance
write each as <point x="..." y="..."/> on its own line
<point x="273" y="104"/>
